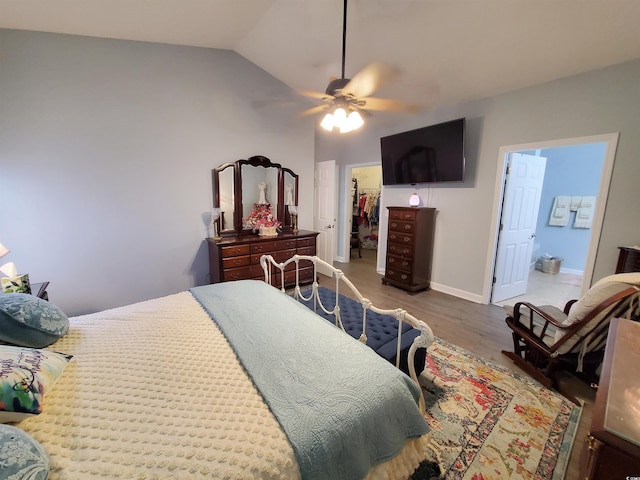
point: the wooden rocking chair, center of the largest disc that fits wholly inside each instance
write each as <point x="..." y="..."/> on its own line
<point x="547" y="339"/>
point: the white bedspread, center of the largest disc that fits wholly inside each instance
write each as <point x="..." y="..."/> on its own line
<point x="155" y="391"/>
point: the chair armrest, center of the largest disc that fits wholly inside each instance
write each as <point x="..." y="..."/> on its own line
<point x="548" y="319"/>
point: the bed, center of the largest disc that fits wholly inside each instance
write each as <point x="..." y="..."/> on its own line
<point x="231" y="380"/>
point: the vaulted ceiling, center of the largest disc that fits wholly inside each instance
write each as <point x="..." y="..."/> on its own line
<point x="448" y="51"/>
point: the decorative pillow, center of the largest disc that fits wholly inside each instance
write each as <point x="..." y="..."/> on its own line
<point x="29" y="321"/>
<point x="26" y="375"/>
<point x="21" y="456"/>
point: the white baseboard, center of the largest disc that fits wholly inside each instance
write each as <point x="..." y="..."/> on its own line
<point x="572" y="271"/>
<point x="472" y="297"/>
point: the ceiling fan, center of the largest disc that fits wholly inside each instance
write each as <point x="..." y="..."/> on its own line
<point x="346" y="98"/>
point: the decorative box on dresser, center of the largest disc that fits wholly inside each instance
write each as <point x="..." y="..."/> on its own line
<point x="409" y="248"/>
<point x="238" y="257"/>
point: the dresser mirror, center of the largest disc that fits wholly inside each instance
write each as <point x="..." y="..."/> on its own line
<point x="259" y="185"/>
<point x="238" y="185"/>
<point x="290" y="186"/>
<point x="224" y="198"/>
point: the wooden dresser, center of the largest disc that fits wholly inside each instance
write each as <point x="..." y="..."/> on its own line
<point x="238" y="257"/>
<point x="612" y="448"/>
<point x="409" y="248"/>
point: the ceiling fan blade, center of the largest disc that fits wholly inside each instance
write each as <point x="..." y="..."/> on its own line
<point x="312" y="94"/>
<point x="370" y="79"/>
<point x="314" y="110"/>
<point x="372" y="103"/>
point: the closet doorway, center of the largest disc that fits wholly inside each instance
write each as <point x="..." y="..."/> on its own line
<point x="363" y="214"/>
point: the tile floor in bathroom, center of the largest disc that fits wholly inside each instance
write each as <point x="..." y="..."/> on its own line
<point x="549" y="289"/>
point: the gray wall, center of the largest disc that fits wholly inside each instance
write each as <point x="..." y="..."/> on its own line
<point x="597" y="102"/>
<point x="106" y="151"/>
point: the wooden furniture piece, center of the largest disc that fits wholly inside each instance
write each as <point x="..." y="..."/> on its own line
<point x="409" y="248"/>
<point x="628" y="260"/>
<point x="235" y="191"/>
<point x="356" y="242"/>
<point x="40" y="290"/>
<point x="547" y="339"/>
<point x="238" y="257"/>
<point x="612" y="448"/>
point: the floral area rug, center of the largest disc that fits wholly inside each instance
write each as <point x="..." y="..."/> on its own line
<point x="490" y="423"/>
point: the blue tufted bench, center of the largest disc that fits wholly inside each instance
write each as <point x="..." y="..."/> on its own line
<point x="382" y="330"/>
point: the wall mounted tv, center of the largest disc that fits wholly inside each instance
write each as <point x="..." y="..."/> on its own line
<point x="430" y="154"/>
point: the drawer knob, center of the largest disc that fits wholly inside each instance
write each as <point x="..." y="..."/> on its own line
<point x="404" y="277"/>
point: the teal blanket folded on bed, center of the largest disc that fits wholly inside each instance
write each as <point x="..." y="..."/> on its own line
<point x="343" y="408"/>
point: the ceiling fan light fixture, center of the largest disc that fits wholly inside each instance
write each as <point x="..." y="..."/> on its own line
<point x="355" y="119"/>
<point x="339" y="119"/>
<point x="328" y="122"/>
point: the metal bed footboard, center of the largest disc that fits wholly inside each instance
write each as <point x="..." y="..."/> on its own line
<point x="425" y="339"/>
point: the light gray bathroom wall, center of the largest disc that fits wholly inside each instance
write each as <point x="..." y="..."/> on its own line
<point x="106" y="151"/>
<point x="597" y="102"/>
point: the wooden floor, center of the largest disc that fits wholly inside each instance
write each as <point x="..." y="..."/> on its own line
<point x="478" y="328"/>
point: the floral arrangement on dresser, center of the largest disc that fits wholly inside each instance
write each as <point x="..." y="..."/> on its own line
<point x="261" y="218"/>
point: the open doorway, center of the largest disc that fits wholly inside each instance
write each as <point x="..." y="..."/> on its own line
<point x="554" y="263"/>
<point x="362" y="214"/>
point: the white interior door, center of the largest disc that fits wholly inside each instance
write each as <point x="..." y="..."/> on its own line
<point x="324" y="210"/>
<point x="523" y="188"/>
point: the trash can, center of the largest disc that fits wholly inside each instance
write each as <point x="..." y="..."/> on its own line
<point x="551" y="265"/>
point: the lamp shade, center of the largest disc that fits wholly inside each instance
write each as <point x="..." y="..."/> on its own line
<point x="414" y="200"/>
<point x="9" y="269"/>
<point x="3" y="250"/>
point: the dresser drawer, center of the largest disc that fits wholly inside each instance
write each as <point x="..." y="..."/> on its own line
<point x="398" y="276"/>
<point x="402" y="250"/>
<point x="306" y="276"/>
<point x="402" y="238"/>
<point x="401" y="227"/>
<point x="268" y="247"/>
<point x="233" y="262"/>
<point x="235" y="250"/>
<point x="239" y="273"/>
<point x="310" y="251"/>
<point x="278" y="255"/>
<point x="306" y="242"/>
<point x="402" y="215"/>
<point x="399" y="263"/>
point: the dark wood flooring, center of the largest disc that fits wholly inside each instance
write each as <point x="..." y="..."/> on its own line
<point x="478" y="328"/>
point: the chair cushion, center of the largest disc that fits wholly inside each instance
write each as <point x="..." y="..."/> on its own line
<point x="579" y="310"/>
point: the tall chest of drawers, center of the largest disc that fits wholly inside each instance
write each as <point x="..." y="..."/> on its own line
<point x="238" y="257"/>
<point x="409" y="248"/>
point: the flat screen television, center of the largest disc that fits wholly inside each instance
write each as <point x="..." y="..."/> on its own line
<point x="430" y="154"/>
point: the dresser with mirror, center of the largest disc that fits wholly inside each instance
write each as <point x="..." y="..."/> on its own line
<point x="237" y="187"/>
